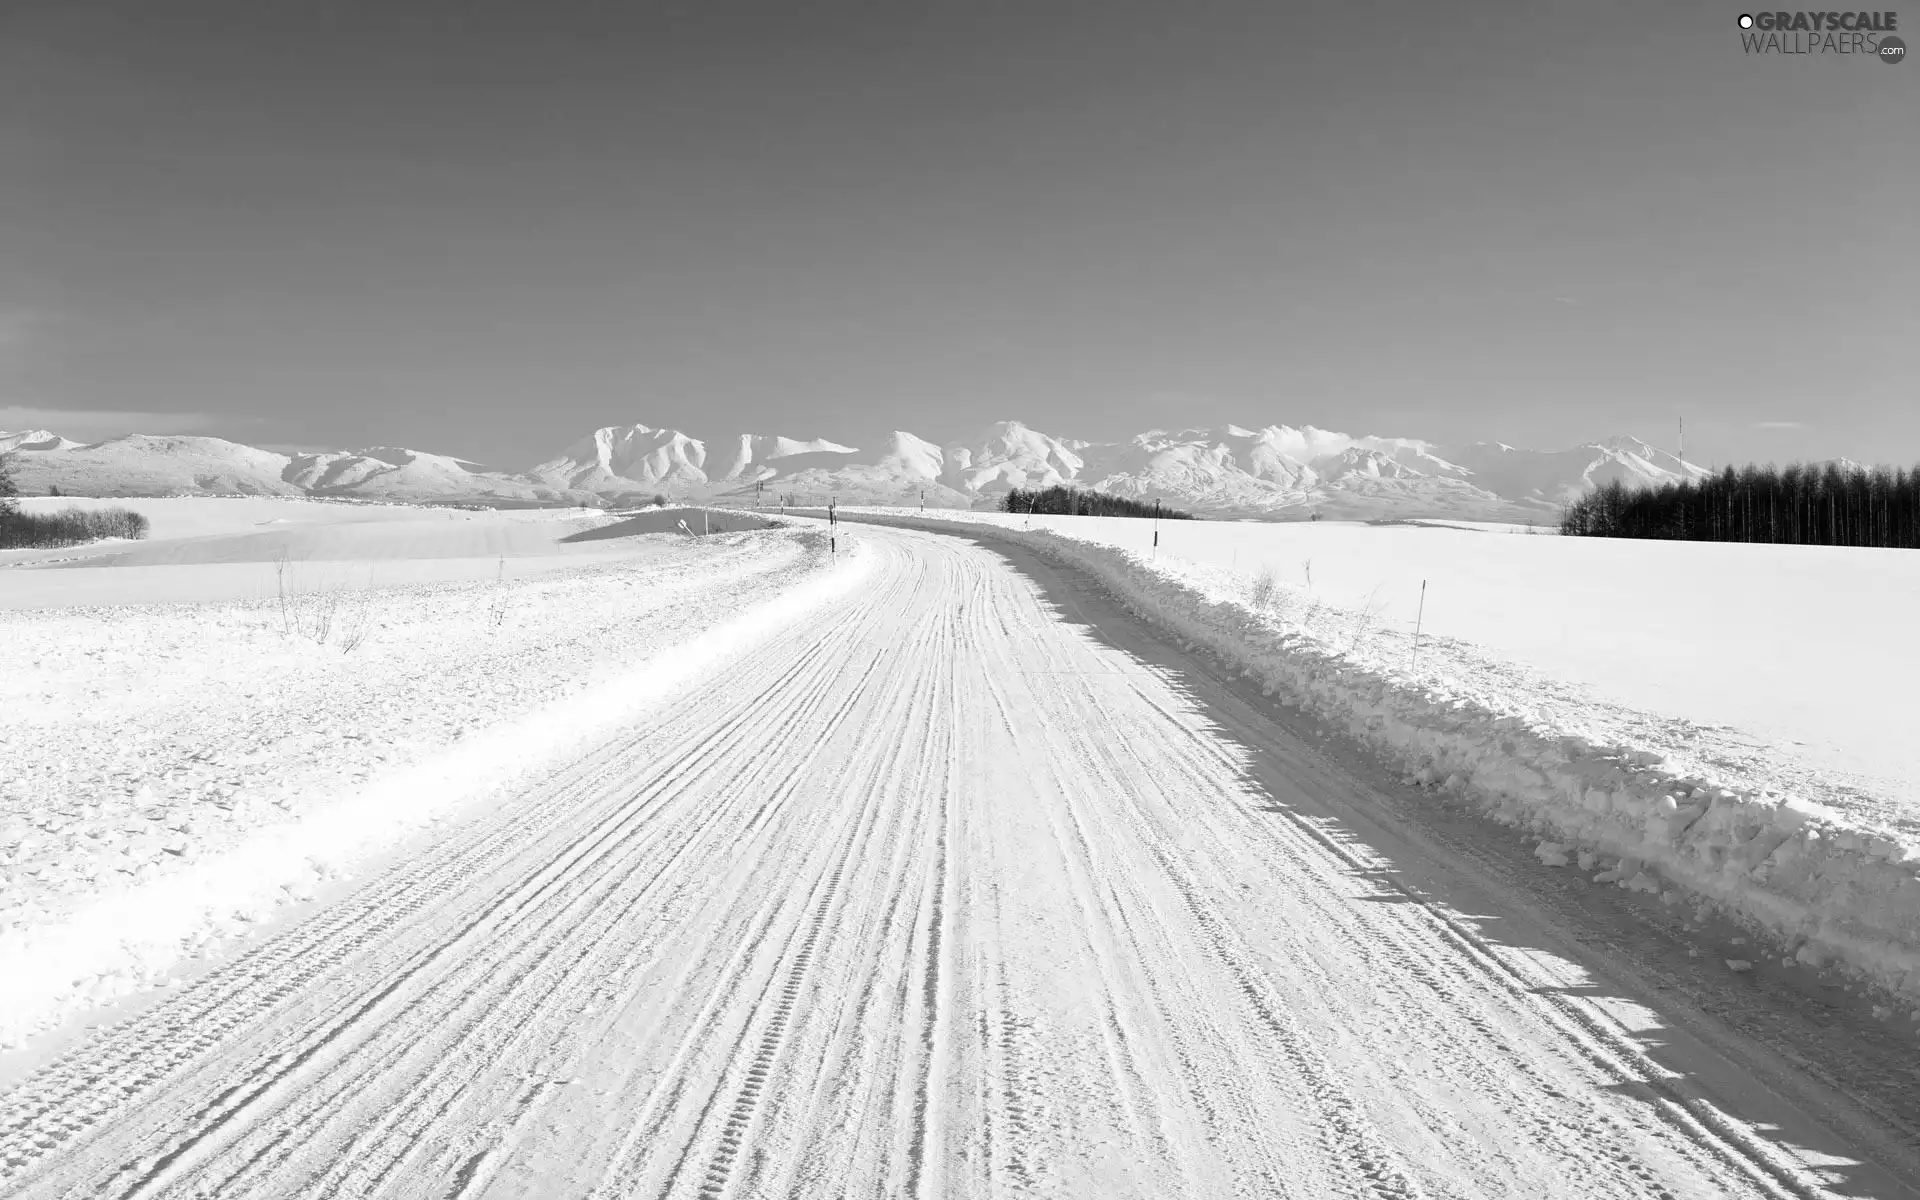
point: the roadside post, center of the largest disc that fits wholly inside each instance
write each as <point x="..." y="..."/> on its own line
<point x="1419" y="616"/>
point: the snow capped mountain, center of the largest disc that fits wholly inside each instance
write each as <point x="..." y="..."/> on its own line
<point x="754" y="457"/>
<point x="1374" y="464"/>
<point x="144" y="465"/>
<point x="1274" y="471"/>
<point x="1010" y="455"/>
<point x="906" y="469"/>
<point x="639" y="459"/>
<point x="33" y="439"/>
<point x="633" y="458"/>
<point x="1552" y="477"/>
<point x="393" y="473"/>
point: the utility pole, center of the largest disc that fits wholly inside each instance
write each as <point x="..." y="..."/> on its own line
<point x="1156" y="528"/>
<point x="1683" y="444"/>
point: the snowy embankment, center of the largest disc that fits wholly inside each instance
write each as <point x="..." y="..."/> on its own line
<point x="1608" y="789"/>
<point x="169" y="775"/>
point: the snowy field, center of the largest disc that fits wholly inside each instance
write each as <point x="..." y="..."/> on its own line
<point x="1531" y="697"/>
<point x="204" y="549"/>
<point x="171" y="772"/>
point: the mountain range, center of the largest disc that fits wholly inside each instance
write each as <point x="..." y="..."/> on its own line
<point x="1276" y="472"/>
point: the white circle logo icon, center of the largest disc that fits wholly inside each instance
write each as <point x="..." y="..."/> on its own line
<point x="1746" y="20"/>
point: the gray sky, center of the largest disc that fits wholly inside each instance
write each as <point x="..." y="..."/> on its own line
<point x="484" y="228"/>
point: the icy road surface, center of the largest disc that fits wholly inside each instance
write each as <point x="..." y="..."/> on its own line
<point x="970" y="887"/>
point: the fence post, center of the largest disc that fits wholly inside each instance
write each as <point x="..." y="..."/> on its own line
<point x="1417" y="619"/>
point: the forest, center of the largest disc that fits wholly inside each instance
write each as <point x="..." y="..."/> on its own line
<point x="1818" y="504"/>
<point x="1073" y="502"/>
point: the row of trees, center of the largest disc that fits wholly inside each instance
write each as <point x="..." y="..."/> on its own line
<point x="70" y="527"/>
<point x="1072" y="502"/>
<point x="1821" y="504"/>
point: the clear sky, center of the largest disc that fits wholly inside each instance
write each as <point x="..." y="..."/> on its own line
<point x="484" y="228"/>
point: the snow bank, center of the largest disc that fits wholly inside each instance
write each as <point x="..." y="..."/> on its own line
<point x="1828" y="892"/>
<point x="169" y="775"/>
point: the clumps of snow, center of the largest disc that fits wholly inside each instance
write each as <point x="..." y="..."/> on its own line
<point x="1821" y="888"/>
<point x="175" y="773"/>
<point x="1553" y="854"/>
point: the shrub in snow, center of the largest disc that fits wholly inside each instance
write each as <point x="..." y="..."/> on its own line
<point x="1266" y="586"/>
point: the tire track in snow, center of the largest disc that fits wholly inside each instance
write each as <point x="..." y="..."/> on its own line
<point x="1098" y="919"/>
<point x="734" y="1131"/>
<point x="1764" y="1168"/>
<point x="1461" y="955"/>
<point x="760" y="1068"/>
<point x="926" y="1116"/>
<point x="627" y="1176"/>
<point x="191" y="1024"/>
<point x="720" y="818"/>
<point x="598" y="845"/>
<point x="1376" y="945"/>
<point x="230" y="1006"/>
<point x="1275" y="1159"/>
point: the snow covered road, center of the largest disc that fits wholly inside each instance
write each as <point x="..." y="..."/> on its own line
<point x="968" y="886"/>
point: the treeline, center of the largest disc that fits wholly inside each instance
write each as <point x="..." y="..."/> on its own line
<point x="68" y="527"/>
<point x="21" y="530"/>
<point x="1072" y="502"/>
<point x="1820" y="504"/>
